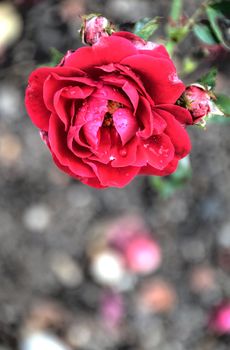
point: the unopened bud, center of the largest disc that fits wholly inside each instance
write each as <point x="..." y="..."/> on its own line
<point x="94" y="27"/>
<point x="198" y="102"/>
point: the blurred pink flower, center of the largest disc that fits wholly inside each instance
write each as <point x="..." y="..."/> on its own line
<point x="112" y="309"/>
<point x="142" y="254"/>
<point x="220" y="319"/>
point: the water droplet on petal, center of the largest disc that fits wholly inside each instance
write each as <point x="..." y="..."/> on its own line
<point x="123" y="152"/>
<point x="112" y="158"/>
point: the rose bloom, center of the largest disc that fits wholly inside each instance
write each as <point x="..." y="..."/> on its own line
<point x="199" y="102"/>
<point x="108" y="113"/>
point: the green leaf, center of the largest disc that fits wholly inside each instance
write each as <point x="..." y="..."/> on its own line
<point x="146" y="29"/>
<point x="140" y="24"/>
<point x="56" y="56"/>
<point x="205" y="33"/>
<point x="209" y="80"/>
<point x="217" y="119"/>
<point x="177" y="33"/>
<point x="223" y="102"/>
<point x="217" y="14"/>
<point x="176" y="9"/>
<point x="189" y="65"/>
<point x="183" y="171"/>
<point x="166" y="186"/>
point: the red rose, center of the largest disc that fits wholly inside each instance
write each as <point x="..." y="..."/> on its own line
<point x="108" y="112"/>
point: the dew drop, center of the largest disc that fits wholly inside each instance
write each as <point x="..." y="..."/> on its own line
<point x="123" y="152"/>
<point x="161" y="150"/>
<point x="112" y="158"/>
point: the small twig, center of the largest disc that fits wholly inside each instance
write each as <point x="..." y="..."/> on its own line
<point x="191" y="22"/>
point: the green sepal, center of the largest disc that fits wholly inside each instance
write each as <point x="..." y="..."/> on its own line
<point x="146" y="27"/>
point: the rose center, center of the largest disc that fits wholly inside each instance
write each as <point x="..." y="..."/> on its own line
<point x="108" y="120"/>
<point x="112" y="107"/>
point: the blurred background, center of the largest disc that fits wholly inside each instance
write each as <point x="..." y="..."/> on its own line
<point x="107" y="269"/>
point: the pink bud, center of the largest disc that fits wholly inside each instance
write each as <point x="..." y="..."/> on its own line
<point x="94" y="27"/>
<point x="197" y="101"/>
<point x="220" y="319"/>
<point x="142" y="254"/>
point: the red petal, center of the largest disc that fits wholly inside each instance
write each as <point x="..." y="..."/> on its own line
<point x="128" y="87"/>
<point x="128" y="73"/>
<point x="90" y="181"/>
<point x="159" y="151"/>
<point x="34" y="98"/>
<point x="169" y="169"/>
<point x="151" y="122"/>
<point x="126" y="155"/>
<point x="178" y="135"/>
<point x="96" y="109"/>
<point x="62" y="108"/>
<point x="158" y="76"/>
<point x="76" y="92"/>
<point x="114" y="177"/>
<point x="181" y="114"/>
<point x="157" y="51"/>
<point x="58" y="145"/>
<point x="146" y="47"/>
<point x="36" y="93"/>
<point x="55" y="82"/>
<point x="78" y="150"/>
<point x="107" y="50"/>
<point x="101" y="153"/>
<point x="145" y="117"/>
<point x="111" y="94"/>
<point x="125" y="123"/>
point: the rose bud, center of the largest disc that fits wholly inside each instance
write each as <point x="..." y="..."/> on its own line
<point x="94" y="27"/>
<point x="198" y="102"/>
<point x="143" y="255"/>
<point x="220" y="319"/>
<point x="122" y="230"/>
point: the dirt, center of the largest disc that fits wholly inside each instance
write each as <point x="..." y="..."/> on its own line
<point x="190" y="226"/>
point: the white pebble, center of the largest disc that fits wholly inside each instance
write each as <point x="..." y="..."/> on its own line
<point x="108" y="268"/>
<point x="66" y="270"/>
<point x="37" y="217"/>
<point x="223" y="236"/>
<point x="42" y="341"/>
